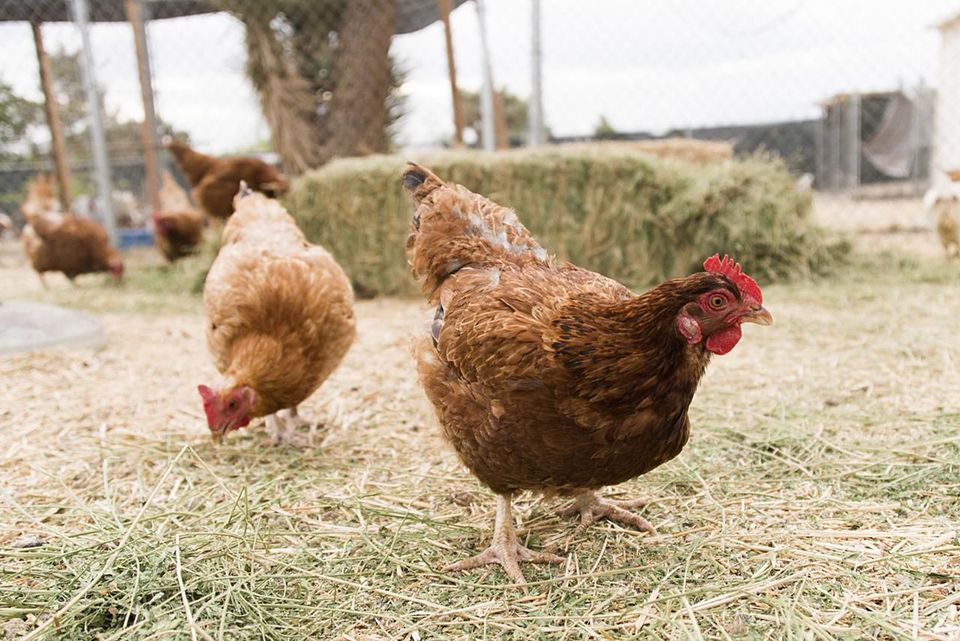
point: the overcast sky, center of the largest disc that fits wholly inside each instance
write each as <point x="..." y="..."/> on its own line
<point x="647" y="65"/>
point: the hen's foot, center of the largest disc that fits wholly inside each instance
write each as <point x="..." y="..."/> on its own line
<point x="508" y="554"/>
<point x="283" y="430"/>
<point x="592" y="508"/>
<point x="505" y="549"/>
<point x="293" y="419"/>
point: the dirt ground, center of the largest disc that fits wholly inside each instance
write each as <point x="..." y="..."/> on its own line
<point x="817" y="499"/>
<point x="899" y="224"/>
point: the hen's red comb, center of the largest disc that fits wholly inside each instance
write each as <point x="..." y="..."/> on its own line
<point x="727" y="267"/>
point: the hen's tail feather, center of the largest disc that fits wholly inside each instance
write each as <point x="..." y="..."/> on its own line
<point x="420" y="181"/>
<point x="454" y="228"/>
<point x="413" y="177"/>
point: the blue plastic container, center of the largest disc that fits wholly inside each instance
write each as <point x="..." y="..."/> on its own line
<point x="141" y="237"/>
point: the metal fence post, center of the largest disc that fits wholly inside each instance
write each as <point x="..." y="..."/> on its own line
<point x="853" y="144"/>
<point x="98" y="140"/>
<point x="486" y="95"/>
<point x="536" y="90"/>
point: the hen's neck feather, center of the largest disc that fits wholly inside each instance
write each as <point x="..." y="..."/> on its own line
<point x="258" y="360"/>
<point x="629" y="351"/>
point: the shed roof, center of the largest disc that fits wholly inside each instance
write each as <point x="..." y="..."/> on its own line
<point x="412" y="15"/>
<point x="842" y="98"/>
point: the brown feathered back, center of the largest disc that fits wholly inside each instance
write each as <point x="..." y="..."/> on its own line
<point x="453" y="228"/>
<point x="70" y="244"/>
<point x="215" y="181"/>
<point x="191" y="162"/>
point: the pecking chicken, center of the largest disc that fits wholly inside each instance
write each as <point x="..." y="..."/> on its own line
<point x="215" y="181"/>
<point x="281" y="319"/>
<point x="178" y="227"/>
<point x="552" y="378"/>
<point x="947" y="210"/>
<point x="70" y="244"/>
<point x="945" y="203"/>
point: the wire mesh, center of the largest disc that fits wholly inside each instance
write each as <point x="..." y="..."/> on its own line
<point x="863" y="101"/>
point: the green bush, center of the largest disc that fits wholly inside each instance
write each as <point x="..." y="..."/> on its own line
<point x="631" y="216"/>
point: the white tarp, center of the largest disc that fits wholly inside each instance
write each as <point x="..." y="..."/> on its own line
<point x="893" y="148"/>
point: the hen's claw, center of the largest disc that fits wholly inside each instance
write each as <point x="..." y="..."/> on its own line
<point x="508" y="554"/>
<point x="505" y="550"/>
<point x="592" y="508"/>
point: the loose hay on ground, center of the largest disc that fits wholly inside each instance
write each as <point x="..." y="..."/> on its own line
<point x="817" y="498"/>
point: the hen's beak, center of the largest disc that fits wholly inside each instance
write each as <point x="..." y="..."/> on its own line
<point x="758" y="315"/>
<point x="217" y="435"/>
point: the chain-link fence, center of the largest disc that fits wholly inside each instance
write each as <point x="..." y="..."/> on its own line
<point x="859" y="99"/>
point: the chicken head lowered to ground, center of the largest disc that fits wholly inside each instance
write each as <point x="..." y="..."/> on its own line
<point x="552" y="378"/>
<point x="281" y="318"/>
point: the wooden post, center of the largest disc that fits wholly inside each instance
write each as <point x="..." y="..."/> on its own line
<point x="98" y="137"/>
<point x="501" y="133"/>
<point x="444" y="6"/>
<point x="149" y="128"/>
<point x="52" y="108"/>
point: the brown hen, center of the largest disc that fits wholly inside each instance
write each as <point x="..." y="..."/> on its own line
<point x="216" y="181"/>
<point x="57" y="242"/>
<point x="280" y="316"/>
<point x="178" y="227"/>
<point x="553" y="378"/>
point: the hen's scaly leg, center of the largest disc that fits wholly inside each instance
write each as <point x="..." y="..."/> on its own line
<point x="505" y="549"/>
<point x="283" y="430"/>
<point x="294" y="418"/>
<point x="591" y="508"/>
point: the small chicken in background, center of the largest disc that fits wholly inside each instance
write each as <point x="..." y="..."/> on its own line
<point x="215" y="181"/>
<point x="6" y="226"/>
<point x="177" y="226"/>
<point x="552" y="378"/>
<point x="948" y="224"/>
<point x="281" y="319"/>
<point x="943" y="204"/>
<point x="69" y="244"/>
<point x="58" y="242"/>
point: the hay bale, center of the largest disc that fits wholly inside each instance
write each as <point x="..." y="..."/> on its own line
<point x="688" y="149"/>
<point x="627" y="214"/>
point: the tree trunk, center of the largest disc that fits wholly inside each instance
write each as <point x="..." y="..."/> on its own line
<point x="358" y="115"/>
<point x="287" y="100"/>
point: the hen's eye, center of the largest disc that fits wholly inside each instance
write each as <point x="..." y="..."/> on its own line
<point x="717" y="302"/>
<point x="232" y="405"/>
